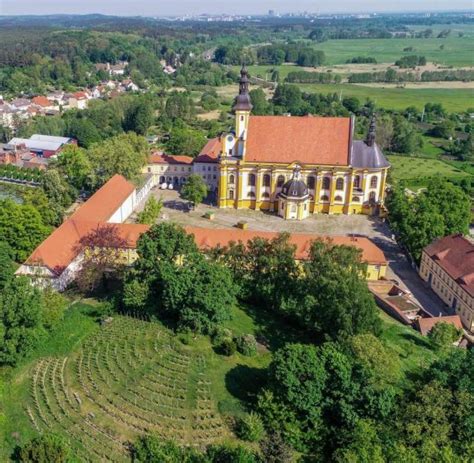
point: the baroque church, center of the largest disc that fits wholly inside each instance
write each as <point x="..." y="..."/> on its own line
<point x="292" y="166"/>
<point x="297" y="166"/>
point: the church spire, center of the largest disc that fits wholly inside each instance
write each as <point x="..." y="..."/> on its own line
<point x="242" y="102"/>
<point x="370" y="140"/>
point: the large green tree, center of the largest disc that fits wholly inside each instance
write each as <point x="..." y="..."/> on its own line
<point x="335" y="300"/>
<point x="125" y="154"/>
<point x="194" y="190"/>
<point x="185" y="140"/>
<point x="20" y="319"/>
<point x="172" y="278"/>
<point x="22" y="227"/>
<point x="440" y="210"/>
<point x="139" y="117"/>
<point x="316" y="395"/>
<point x="7" y="265"/>
<point x="74" y="164"/>
<point x="58" y="193"/>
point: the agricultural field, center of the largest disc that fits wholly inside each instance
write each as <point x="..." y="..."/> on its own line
<point x="456" y="51"/>
<point x="454" y="100"/>
<point x="416" y="172"/>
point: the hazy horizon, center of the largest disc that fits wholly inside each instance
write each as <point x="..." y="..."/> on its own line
<point x="186" y="7"/>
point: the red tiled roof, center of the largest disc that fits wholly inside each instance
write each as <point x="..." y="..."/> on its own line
<point x="210" y="153"/>
<point x="161" y="158"/>
<point x="212" y="237"/>
<point x="60" y="248"/>
<point x="455" y="255"/>
<point x="309" y="140"/>
<point x="80" y="95"/>
<point x="425" y="325"/>
<point x="105" y="201"/>
<point x="41" y="101"/>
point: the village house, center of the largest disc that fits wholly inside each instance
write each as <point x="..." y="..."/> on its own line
<point x="79" y="100"/>
<point x="43" y="102"/>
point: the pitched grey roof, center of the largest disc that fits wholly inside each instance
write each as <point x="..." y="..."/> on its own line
<point x="367" y="157"/>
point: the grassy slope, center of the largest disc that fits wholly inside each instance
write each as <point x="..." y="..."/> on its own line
<point x="235" y="380"/>
<point x="413" y="349"/>
<point x="417" y="171"/>
<point x="16" y="386"/>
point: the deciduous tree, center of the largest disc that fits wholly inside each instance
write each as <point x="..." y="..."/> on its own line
<point x="194" y="190"/>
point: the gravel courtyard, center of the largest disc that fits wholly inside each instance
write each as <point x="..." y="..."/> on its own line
<point x="176" y="210"/>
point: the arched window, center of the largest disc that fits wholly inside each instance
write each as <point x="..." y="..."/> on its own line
<point x="326" y="183"/>
<point x="311" y="182"/>
<point x="266" y="180"/>
<point x="373" y="181"/>
<point x="162" y="179"/>
<point x="280" y="181"/>
<point x="251" y="194"/>
<point x="355" y="199"/>
<point x="340" y="184"/>
<point x="338" y="198"/>
<point x="324" y="198"/>
<point x="251" y="180"/>
<point x="231" y="179"/>
<point x="372" y="197"/>
<point x="357" y="181"/>
<point x="265" y="195"/>
<point x="231" y="194"/>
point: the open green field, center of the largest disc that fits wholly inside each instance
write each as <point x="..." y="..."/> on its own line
<point x="101" y="387"/>
<point x="457" y="51"/>
<point x="416" y="172"/>
<point x="454" y="100"/>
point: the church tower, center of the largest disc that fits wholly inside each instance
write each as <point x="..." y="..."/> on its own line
<point x="242" y="108"/>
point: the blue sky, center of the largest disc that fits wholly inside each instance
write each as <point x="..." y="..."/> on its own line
<point x="179" y="7"/>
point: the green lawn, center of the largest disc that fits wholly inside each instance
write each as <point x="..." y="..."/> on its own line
<point x="454" y="100"/>
<point x="416" y="172"/>
<point x="15" y="425"/>
<point x="458" y="51"/>
<point x="413" y="349"/>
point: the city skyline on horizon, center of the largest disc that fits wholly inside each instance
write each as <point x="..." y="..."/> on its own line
<point x="212" y="7"/>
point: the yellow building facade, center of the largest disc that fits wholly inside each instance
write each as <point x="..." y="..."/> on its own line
<point x="342" y="175"/>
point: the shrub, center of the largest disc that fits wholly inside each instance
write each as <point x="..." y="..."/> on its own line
<point x="48" y="448"/>
<point x="227" y="347"/>
<point x="246" y="344"/>
<point x="219" y="334"/>
<point x="250" y="428"/>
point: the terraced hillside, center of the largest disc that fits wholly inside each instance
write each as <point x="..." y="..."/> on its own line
<point x="128" y="378"/>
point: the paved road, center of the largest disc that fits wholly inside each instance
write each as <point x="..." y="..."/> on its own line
<point x="401" y="270"/>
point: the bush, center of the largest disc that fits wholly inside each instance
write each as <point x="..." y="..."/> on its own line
<point x="54" y="306"/>
<point x="219" y="334"/>
<point x="48" y="448"/>
<point x="246" y="344"/>
<point x="250" y="428"/>
<point x="227" y="347"/>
